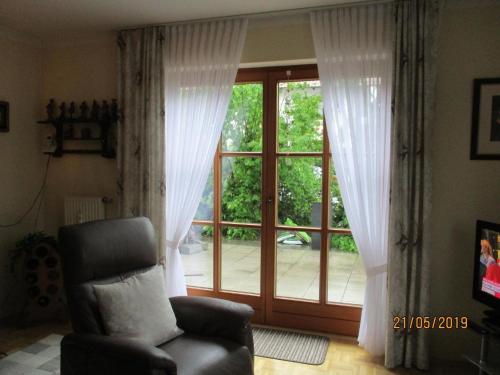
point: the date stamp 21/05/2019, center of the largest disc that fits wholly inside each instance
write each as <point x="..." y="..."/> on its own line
<point x="430" y="322"/>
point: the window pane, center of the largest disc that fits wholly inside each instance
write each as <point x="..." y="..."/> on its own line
<point x="299" y="191"/>
<point x="297" y="266"/>
<point x="206" y="207"/>
<point x="197" y="256"/>
<point x="300" y="116"/>
<point x="241" y="260"/>
<point x="242" y="129"/>
<point x="338" y="218"/>
<point x="346" y="274"/>
<point x="241" y="189"/>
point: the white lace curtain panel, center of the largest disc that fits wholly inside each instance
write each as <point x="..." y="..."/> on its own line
<point x="354" y="51"/>
<point x="201" y="61"/>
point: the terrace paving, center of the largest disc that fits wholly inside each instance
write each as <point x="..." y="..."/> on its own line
<point x="297" y="271"/>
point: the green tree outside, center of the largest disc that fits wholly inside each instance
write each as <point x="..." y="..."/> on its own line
<point x="299" y="178"/>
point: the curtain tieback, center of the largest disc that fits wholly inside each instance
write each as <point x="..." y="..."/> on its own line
<point x="377" y="270"/>
<point x="172" y="244"/>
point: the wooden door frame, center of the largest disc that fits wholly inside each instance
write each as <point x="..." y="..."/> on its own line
<point x="299" y="314"/>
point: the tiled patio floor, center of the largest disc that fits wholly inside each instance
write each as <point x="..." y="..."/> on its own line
<point x="297" y="271"/>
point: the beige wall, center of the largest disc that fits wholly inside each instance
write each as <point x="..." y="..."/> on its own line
<point x="278" y="39"/>
<point x="21" y="164"/>
<point x="77" y="71"/>
<point x="463" y="190"/>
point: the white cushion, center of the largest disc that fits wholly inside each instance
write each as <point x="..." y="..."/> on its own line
<point x="138" y="308"/>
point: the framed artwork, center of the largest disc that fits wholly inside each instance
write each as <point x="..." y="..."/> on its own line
<point x="4" y="116"/>
<point x="485" y="137"/>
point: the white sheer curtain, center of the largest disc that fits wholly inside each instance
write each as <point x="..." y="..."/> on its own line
<point x="353" y="47"/>
<point x="201" y="62"/>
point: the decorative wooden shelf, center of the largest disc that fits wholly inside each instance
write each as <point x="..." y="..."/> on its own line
<point x="82" y="139"/>
<point x="104" y="116"/>
<point x="76" y="151"/>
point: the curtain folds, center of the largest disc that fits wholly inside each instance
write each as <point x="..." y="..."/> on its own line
<point x="141" y="131"/>
<point x="201" y="61"/>
<point x="354" y="52"/>
<point x="409" y="242"/>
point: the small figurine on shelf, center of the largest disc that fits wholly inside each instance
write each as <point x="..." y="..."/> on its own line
<point x="68" y="132"/>
<point x="84" y="111"/>
<point x="94" y="113"/>
<point x="71" y="110"/>
<point x="51" y="109"/>
<point x="62" y="108"/>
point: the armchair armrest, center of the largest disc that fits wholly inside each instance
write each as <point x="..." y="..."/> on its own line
<point x="100" y="354"/>
<point x="215" y="317"/>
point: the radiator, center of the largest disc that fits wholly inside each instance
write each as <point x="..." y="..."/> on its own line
<point x="79" y="210"/>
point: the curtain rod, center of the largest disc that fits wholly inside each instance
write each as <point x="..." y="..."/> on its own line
<point x="265" y="14"/>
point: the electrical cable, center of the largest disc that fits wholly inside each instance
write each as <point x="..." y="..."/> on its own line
<point x="37" y="216"/>
<point x="42" y="188"/>
<point x="23" y="216"/>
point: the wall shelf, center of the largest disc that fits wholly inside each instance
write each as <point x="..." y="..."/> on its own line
<point x="102" y="118"/>
<point x="81" y="139"/>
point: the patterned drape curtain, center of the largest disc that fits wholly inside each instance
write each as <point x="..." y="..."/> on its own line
<point x="416" y="26"/>
<point x="141" y="129"/>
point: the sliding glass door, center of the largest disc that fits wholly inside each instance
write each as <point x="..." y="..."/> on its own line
<point x="270" y="230"/>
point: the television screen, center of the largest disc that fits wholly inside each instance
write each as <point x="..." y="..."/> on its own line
<point x="487" y="264"/>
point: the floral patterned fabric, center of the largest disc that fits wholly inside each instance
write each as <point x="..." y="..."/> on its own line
<point x="416" y="24"/>
<point x="141" y="130"/>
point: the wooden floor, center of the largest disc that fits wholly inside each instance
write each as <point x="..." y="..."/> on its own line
<point x="14" y="338"/>
<point x="344" y="356"/>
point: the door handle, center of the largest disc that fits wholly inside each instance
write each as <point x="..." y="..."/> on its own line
<point x="270" y="200"/>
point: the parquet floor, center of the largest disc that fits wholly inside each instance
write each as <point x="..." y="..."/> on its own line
<point x="344" y="356"/>
<point x="14" y="338"/>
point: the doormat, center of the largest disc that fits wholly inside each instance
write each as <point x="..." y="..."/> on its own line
<point x="290" y="346"/>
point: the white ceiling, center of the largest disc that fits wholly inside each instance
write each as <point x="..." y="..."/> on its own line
<point x="49" y="19"/>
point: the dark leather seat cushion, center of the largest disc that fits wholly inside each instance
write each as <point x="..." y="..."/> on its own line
<point x="204" y="355"/>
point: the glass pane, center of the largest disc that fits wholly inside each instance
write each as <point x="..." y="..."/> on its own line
<point x="299" y="191"/>
<point x="338" y="218"/>
<point x="346" y="274"/>
<point x="297" y="265"/>
<point x="242" y="129"/>
<point x="241" y="189"/>
<point x="300" y="116"/>
<point x="206" y="207"/>
<point x="197" y="256"/>
<point x="240" y="260"/>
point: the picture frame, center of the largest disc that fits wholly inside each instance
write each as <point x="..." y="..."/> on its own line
<point x="485" y="136"/>
<point x="4" y="117"/>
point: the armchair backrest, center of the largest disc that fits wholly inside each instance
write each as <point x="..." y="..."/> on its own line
<point x="102" y="252"/>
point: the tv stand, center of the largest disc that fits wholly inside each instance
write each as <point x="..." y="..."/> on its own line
<point x="493" y="314"/>
<point x="487" y="333"/>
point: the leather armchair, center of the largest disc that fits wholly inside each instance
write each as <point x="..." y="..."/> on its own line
<point x="217" y="337"/>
